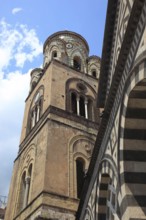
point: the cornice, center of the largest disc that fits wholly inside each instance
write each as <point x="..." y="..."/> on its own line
<point x="59" y="112"/>
<point x="106" y="51"/>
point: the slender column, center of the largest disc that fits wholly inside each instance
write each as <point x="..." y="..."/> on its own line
<point x="86" y="108"/>
<point x="78" y="105"/>
<point x="26" y="193"/>
<point x="38" y="113"/>
<point x="33" y="119"/>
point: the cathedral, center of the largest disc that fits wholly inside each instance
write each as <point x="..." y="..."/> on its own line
<point x="82" y="151"/>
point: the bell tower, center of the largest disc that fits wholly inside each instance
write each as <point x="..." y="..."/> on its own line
<point x="58" y="132"/>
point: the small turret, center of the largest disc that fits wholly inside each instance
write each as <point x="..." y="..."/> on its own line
<point x="35" y="76"/>
<point x="94" y="66"/>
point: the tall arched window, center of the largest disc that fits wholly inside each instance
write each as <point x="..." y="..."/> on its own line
<point x="74" y="103"/>
<point x="80" y="167"/>
<point x="54" y="54"/>
<point x="82" y="106"/>
<point x="22" y="192"/>
<point x="35" y="112"/>
<point x="94" y="73"/>
<point x="77" y="63"/>
<point x="25" y="188"/>
<point x="29" y="182"/>
<point x="90" y="109"/>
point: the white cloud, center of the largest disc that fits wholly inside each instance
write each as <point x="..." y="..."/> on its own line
<point x="18" y="44"/>
<point x="16" y="10"/>
<point x="13" y="92"/>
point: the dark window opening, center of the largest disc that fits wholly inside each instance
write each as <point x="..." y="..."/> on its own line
<point x="54" y="54"/>
<point x="94" y="73"/>
<point x="77" y="63"/>
<point x="90" y="109"/>
<point x="73" y="103"/>
<point x="82" y="107"/>
<point x="80" y="176"/>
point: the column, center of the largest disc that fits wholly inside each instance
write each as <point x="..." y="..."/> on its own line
<point x="78" y="105"/>
<point x="34" y="117"/>
<point x="86" y="108"/>
<point x="26" y="193"/>
<point x="38" y="113"/>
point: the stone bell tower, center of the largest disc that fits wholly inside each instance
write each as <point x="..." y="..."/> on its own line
<point x="58" y="132"/>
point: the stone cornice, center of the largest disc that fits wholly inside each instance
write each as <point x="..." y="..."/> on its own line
<point x="106" y="51"/>
<point x="34" y="208"/>
<point x="59" y="112"/>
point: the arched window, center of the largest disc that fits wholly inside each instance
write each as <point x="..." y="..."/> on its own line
<point x="77" y="63"/>
<point x="90" y="109"/>
<point x="54" y="54"/>
<point x="28" y="179"/>
<point x="35" y="112"/>
<point x="25" y="188"/>
<point x="82" y="106"/>
<point x="74" y="103"/>
<point x="80" y="166"/>
<point x="22" y="192"/>
<point x="94" y="73"/>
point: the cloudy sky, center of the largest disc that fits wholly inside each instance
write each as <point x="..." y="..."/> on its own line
<point x="24" y="26"/>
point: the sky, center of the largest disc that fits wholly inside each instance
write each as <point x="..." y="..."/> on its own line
<point x="24" y="27"/>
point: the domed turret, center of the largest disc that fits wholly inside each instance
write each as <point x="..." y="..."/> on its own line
<point x="94" y="66"/>
<point x="67" y="47"/>
<point x="35" y="76"/>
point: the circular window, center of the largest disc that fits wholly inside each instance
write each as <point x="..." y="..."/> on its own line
<point x="81" y="87"/>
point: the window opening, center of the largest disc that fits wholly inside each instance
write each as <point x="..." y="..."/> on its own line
<point x="77" y="63"/>
<point x="28" y="182"/>
<point x="94" y="73"/>
<point x="90" y="109"/>
<point x="80" y="176"/>
<point x="82" y="107"/>
<point x="74" y="103"/>
<point x="22" y="192"/>
<point x="35" y="112"/>
<point x="54" y="54"/>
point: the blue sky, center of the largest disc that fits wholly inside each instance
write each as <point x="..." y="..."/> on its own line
<point x="24" y="26"/>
